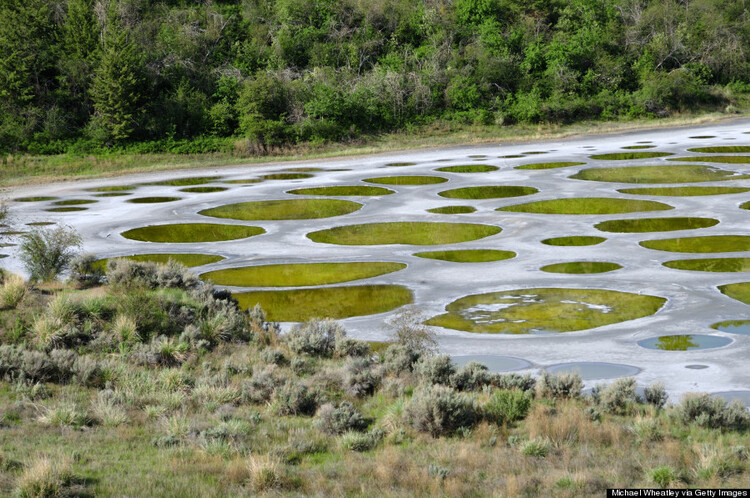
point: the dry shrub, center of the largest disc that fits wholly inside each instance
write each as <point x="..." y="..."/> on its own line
<point x="569" y="424"/>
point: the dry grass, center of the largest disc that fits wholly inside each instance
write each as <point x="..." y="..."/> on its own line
<point x="45" y="476"/>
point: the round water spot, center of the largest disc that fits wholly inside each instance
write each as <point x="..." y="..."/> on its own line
<point x="696" y="367"/>
<point x="468" y="255"/>
<point x="581" y="267"/>
<point x="563" y="164"/>
<point x="488" y="192"/>
<point x="453" y="210"/>
<point x="741" y="327"/>
<point x="191" y="232"/>
<point x="245" y="180"/>
<point x="711" y="264"/>
<point x="684" y="191"/>
<point x="511" y="156"/>
<point x="203" y="190"/>
<point x="74" y="202"/>
<point x="477" y="156"/>
<point x="66" y="209"/>
<point x="534" y="152"/>
<point x="286" y="209"/>
<point x="407" y="180"/>
<point x="574" y="240"/>
<point x="299" y="275"/>
<point x="302" y="170"/>
<point x="624" y="156"/>
<point x="400" y="164"/>
<point x="189" y="260"/>
<point x="113" y="194"/>
<point x="112" y="188"/>
<point x="40" y="198"/>
<point x="343" y="190"/>
<point x="40" y="223"/>
<point x="285" y="176"/>
<point x="184" y="182"/>
<point x="714" y="159"/>
<point x="587" y="205"/>
<point x="671" y="173"/>
<point x="544" y="310"/>
<point x="729" y="396"/>
<point x="300" y="305"/>
<point x="723" y="149"/>
<point x="684" y="342"/>
<point x="705" y="244"/>
<point x="702" y="137"/>
<point x="152" y="200"/>
<point x="493" y="362"/>
<point x="468" y="168"/>
<point x="739" y="291"/>
<point x="3" y="256"/>
<point x="590" y="370"/>
<point x="404" y="232"/>
<point x="11" y="233"/>
<point x="644" y="225"/>
<point x="637" y="147"/>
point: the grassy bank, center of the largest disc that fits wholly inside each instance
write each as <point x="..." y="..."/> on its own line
<point x="27" y="169"/>
<point x="156" y="384"/>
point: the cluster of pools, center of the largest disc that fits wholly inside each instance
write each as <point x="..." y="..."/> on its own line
<point x="520" y="250"/>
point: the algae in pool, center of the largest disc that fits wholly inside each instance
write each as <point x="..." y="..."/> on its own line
<point x="203" y="190"/>
<point x="152" y="200"/>
<point x="488" y="192"/>
<point x="184" y="182"/>
<point x="112" y="188"/>
<point x="683" y="191"/>
<point x="35" y="199"/>
<point x="704" y="244"/>
<point x="511" y="156"/>
<point x="74" y="202"/>
<point x="643" y="225"/>
<point x="400" y="164"/>
<point x="468" y="255"/>
<point x="715" y="159"/>
<point x="407" y="180"/>
<point x="689" y="173"/>
<point x="300" y="305"/>
<point x="405" y="232"/>
<point x="286" y="176"/>
<point x="453" y="210"/>
<point x="741" y="327"/>
<point x="624" y="156"/>
<point x="587" y="205"/>
<point x="581" y="267"/>
<point x="40" y="223"/>
<point x="563" y="164"/>
<point x="703" y="137"/>
<point x="684" y="342"/>
<point x="189" y="260"/>
<point x="113" y="194"/>
<point x="246" y="180"/>
<point x="468" y="168"/>
<point x="343" y="190"/>
<point x="191" y="232"/>
<point x="711" y="264"/>
<point x="574" y="240"/>
<point x="525" y="311"/>
<point x="286" y="209"/>
<point x="299" y="275"/>
<point x="637" y="147"/>
<point x="723" y="149"/>
<point x="739" y="291"/>
<point x="66" y="209"/>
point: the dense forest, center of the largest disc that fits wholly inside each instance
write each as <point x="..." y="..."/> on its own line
<point x="199" y="75"/>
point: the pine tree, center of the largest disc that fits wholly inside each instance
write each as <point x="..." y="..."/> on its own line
<point x="117" y="88"/>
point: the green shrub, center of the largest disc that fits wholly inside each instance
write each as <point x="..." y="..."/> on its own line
<point x="273" y="356"/>
<point x="536" y="448"/>
<point x="397" y="359"/>
<point x="702" y="409"/>
<point x="295" y="399"/>
<point x="360" y="380"/>
<point x="655" y="394"/>
<point x="663" y="476"/>
<point x="506" y="406"/>
<point x="260" y="387"/>
<point x="440" y="410"/>
<point x="315" y="338"/>
<point x="84" y="272"/>
<point x="16" y="362"/>
<point x="347" y="346"/>
<point x="567" y="385"/>
<point x="513" y="381"/>
<point x="471" y="377"/>
<point x="407" y="329"/>
<point x="341" y="419"/>
<point x="616" y="397"/>
<point x="47" y="253"/>
<point x="436" y="369"/>
<point x="357" y="441"/>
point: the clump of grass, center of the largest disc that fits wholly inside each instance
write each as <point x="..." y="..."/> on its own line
<point x="536" y="448"/>
<point x="663" y="476"/>
<point x="65" y="414"/>
<point x="46" y="476"/>
<point x="12" y="291"/>
<point x="264" y="473"/>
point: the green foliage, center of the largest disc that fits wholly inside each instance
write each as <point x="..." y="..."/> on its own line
<point x="506" y="406"/>
<point x="47" y="253"/>
<point x="439" y="410"/>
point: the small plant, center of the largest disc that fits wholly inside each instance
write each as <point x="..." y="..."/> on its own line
<point x="360" y="380"/>
<point x="295" y="399"/>
<point x="663" y="476"/>
<point x="407" y="329"/>
<point x="616" y="397"/>
<point x="513" y="381"/>
<point x="337" y="420"/>
<point x="347" y="346"/>
<point x="397" y="359"/>
<point x="471" y="377"/>
<point x="708" y="411"/>
<point x="65" y="415"/>
<point x="655" y="394"/>
<point x="440" y="410"/>
<point x="265" y="472"/>
<point x="567" y="385"/>
<point x="84" y="272"/>
<point x="436" y="369"/>
<point x="536" y="448"/>
<point x="47" y="253"/>
<point x="46" y="477"/>
<point x="316" y="337"/>
<point x="12" y="292"/>
<point x="507" y="406"/>
<point x="357" y="441"/>
<point x="273" y="357"/>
